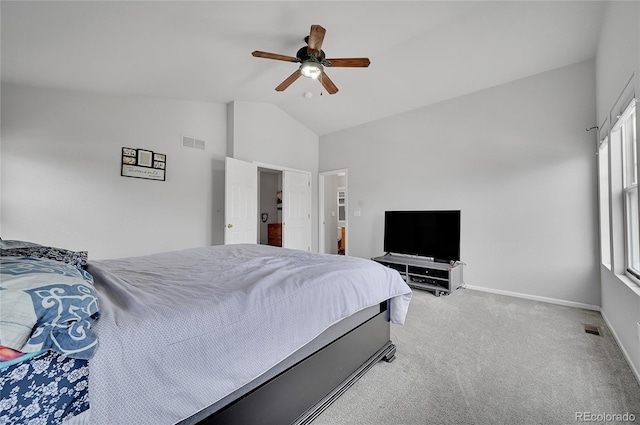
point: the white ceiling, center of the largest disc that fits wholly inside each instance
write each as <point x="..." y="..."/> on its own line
<point x="421" y="52"/>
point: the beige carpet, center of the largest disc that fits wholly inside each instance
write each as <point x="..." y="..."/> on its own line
<point x="479" y="358"/>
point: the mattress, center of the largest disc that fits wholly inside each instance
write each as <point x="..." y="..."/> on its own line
<point x="322" y="340"/>
<point x="180" y="331"/>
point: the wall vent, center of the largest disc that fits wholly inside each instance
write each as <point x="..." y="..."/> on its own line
<point x="199" y="144"/>
<point x="193" y="143"/>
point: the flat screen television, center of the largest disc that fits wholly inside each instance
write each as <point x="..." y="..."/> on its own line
<point x="433" y="234"/>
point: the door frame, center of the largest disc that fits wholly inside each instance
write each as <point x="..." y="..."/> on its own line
<point x="321" y="205"/>
<point x="309" y="203"/>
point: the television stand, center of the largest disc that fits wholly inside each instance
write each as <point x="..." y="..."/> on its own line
<point x="421" y="273"/>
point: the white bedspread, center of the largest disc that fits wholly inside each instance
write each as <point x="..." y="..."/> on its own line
<point x="181" y="330"/>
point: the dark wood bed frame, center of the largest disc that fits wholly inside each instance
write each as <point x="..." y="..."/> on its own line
<point x="301" y="392"/>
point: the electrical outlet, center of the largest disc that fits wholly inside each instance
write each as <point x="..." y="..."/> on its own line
<point x="357" y="213"/>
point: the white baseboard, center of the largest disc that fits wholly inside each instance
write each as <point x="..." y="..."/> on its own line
<point x="535" y="298"/>
<point x="624" y="352"/>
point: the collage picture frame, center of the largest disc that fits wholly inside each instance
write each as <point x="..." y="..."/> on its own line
<point x="143" y="164"/>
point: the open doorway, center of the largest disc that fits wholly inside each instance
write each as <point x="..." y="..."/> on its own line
<point x="270" y="206"/>
<point x="333" y="206"/>
<point x="287" y="189"/>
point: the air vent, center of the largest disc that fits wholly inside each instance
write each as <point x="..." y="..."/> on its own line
<point x="193" y="143"/>
<point x="592" y="329"/>
<point x="198" y="144"/>
<point x="188" y="142"/>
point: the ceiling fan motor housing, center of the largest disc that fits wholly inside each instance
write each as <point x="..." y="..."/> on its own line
<point x="304" y="55"/>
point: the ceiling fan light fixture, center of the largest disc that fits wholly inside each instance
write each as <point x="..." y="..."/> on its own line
<point x="311" y="69"/>
<point x="311" y="59"/>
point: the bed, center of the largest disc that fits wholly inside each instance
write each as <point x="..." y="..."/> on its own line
<point x="227" y="334"/>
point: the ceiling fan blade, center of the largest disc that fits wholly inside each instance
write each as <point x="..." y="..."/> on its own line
<point x="290" y="79"/>
<point x="328" y="84"/>
<point x="267" y="55"/>
<point x="316" y="36"/>
<point x="347" y="62"/>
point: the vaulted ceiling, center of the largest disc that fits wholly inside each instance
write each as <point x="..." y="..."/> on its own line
<point x="421" y="52"/>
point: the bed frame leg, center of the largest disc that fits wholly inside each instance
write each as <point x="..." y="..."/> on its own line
<point x="390" y="354"/>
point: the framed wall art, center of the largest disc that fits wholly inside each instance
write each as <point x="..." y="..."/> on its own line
<point x="143" y="164"/>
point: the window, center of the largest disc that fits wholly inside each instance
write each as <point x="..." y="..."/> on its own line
<point x="624" y="133"/>
<point x="603" y="191"/>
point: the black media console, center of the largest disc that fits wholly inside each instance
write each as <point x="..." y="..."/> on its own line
<point x="420" y="273"/>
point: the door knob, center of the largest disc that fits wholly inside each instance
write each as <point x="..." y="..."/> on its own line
<point x="229" y="225"/>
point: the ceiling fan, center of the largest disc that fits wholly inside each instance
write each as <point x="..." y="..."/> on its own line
<point x="312" y="61"/>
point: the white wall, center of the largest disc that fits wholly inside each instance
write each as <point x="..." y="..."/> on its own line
<point x="61" y="182"/>
<point x="265" y="133"/>
<point x="60" y="163"/>
<point x="617" y="60"/>
<point x="517" y="161"/>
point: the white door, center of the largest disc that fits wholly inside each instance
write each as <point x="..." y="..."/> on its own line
<point x="296" y="210"/>
<point x="240" y="202"/>
<point x="329" y="228"/>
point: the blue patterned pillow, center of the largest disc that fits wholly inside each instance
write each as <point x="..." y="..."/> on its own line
<point x="28" y="249"/>
<point x="46" y="304"/>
